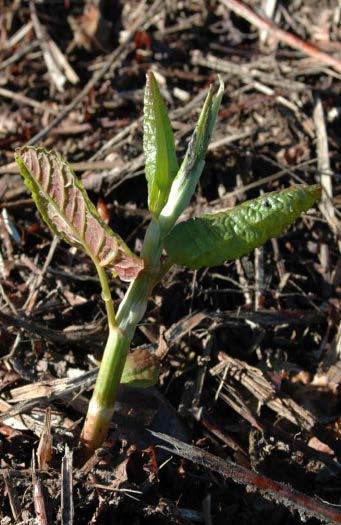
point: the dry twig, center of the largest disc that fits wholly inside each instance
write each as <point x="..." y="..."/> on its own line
<point x="269" y="488"/>
<point x="38" y="495"/>
<point x="12" y="496"/>
<point x="255" y="382"/>
<point x="57" y="65"/>
<point x="291" y="40"/>
<point x="323" y="164"/>
<point x="44" y="450"/>
<point x="114" y="59"/>
<point x="67" y="488"/>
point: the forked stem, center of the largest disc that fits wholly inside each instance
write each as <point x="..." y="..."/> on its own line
<point x="121" y="332"/>
<point x="102" y="404"/>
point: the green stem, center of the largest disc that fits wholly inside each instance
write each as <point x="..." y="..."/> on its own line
<point x="134" y="304"/>
<point x="121" y="332"/>
<point x="106" y="296"/>
<point x="101" y="406"/>
<point x="152" y="248"/>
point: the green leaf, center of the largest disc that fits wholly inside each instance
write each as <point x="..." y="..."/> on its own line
<point x="203" y="132"/>
<point x="66" y="208"/>
<point x="141" y="369"/>
<point x="213" y="238"/>
<point x="187" y="178"/>
<point x="158" y="141"/>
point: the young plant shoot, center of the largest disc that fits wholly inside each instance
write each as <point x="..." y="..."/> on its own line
<point x="203" y="241"/>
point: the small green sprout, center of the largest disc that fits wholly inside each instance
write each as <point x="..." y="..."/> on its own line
<point x="208" y="240"/>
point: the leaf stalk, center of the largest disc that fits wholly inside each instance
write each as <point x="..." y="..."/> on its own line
<point x="106" y="296"/>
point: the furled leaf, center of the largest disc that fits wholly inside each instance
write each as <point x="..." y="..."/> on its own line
<point x="202" y="134"/>
<point x="141" y="369"/>
<point x="66" y="208"/>
<point x="159" y="148"/>
<point x="187" y="178"/>
<point x="213" y="238"/>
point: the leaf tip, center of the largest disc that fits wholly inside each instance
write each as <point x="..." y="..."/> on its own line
<point x="19" y="154"/>
<point x="221" y="86"/>
<point x="151" y="83"/>
<point x="150" y="76"/>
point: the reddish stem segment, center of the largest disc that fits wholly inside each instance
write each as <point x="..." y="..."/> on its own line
<point x="294" y="41"/>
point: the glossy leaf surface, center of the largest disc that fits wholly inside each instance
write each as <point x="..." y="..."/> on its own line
<point x="66" y="208"/>
<point x="158" y="141"/>
<point x="213" y="238"/>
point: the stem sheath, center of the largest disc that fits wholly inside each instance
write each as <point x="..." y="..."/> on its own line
<point x="102" y="403"/>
